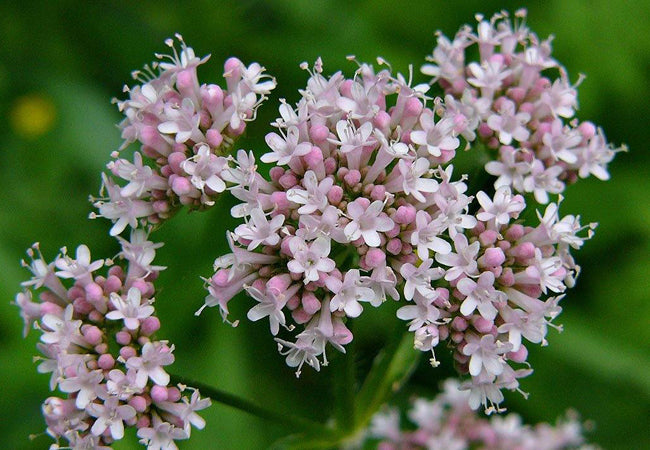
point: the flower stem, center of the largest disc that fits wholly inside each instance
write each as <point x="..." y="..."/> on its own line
<point x="296" y="423"/>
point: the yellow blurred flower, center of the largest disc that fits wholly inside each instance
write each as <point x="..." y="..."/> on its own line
<point x="32" y="115"/>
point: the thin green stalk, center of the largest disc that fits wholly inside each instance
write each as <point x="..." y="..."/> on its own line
<point x="345" y="387"/>
<point x="225" y="398"/>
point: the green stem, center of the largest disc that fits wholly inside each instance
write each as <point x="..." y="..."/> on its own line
<point x="299" y="424"/>
<point x="345" y="387"/>
<point x="391" y="369"/>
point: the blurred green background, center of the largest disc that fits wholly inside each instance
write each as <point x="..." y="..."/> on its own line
<point x="61" y="63"/>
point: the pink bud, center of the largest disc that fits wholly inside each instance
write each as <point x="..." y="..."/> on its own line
<point x="405" y="214"/>
<point x="319" y="133"/>
<point x="381" y="120"/>
<point x="213" y="137"/>
<point x="310" y="303"/>
<point x="587" y="129"/>
<point x="123" y="337"/>
<point x="488" y="237"/>
<point x="519" y="356"/>
<point x="330" y="165"/>
<point x="288" y="180"/>
<point x="525" y="250"/>
<point x="352" y="177"/>
<point x="138" y="403"/>
<point x="158" y="394"/>
<point x="507" y="278"/>
<point x="314" y="158"/>
<point x="173" y="394"/>
<point x="492" y="257"/>
<point x="394" y="246"/>
<point x="459" y="324"/>
<point x="482" y="325"/>
<point x="300" y="316"/>
<point x="232" y="67"/>
<point x="92" y="335"/>
<point x="149" y="325"/>
<point x="181" y="186"/>
<point x="127" y="352"/>
<point x="413" y="107"/>
<point x="106" y="361"/>
<point x="375" y="257"/>
<point x="378" y="192"/>
<point x="335" y="195"/>
<point x="174" y="160"/>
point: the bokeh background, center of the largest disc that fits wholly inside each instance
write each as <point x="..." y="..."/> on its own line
<point x="60" y="64"/>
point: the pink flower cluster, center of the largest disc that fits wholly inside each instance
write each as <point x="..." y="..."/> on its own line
<point x="185" y="130"/>
<point x="98" y="344"/>
<point x="446" y="422"/>
<point x="362" y="205"/>
<point x="514" y="108"/>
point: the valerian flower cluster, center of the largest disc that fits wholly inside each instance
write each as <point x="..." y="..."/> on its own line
<point x="364" y="202"/>
<point x="98" y="344"/>
<point x="447" y="423"/>
<point x="185" y="130"/>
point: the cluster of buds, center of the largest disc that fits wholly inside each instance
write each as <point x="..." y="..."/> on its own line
<point x="361" y="205"/>
<point x="512" y="107"/>
<point x="98" y="344"/>
<point x="446" y="422"/>
<point x="185" y="130"/>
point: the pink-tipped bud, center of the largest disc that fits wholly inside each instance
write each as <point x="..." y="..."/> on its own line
<point x="174" y="161"/>
<point x="381" y="120"/>
<point x="158" y="394"/>
<point x="288" y="180"/>
<point x="375" y="257"/>
<point x="484" y="130"/>
<point x="275" y="173"/>
<point x="519" y="356"/>
<point x="123" y="337"/>
<point x="352" y="177"/>
<point x="319" y="133"/>
<point x="459" y="324"/>
<point x="279" y="199"/>
<point x="525" y="250"/>
<point x="378" y="192"/>
<point x="106" y="361"/>
<point x="482" y="324"/>
<point x="507" y="277"/>
<point x="300" y="316"/>
<point x="149" y="325"/>
<point x="394" y="246"/>
<point x="138" y="403"/>
<point x="173" y="394"/>
<point x="214" y="137"/>
<point x="335" y="195"/>
<point x="94" y="292"/>
<point x="310" y="303"/>
<point x="181" y="186"/>
<point x="92" y="334"/>
<point x="492" y="257"/>
<point x="405" y="214"/>
<point x="232" y="67"/>
<point x="488" y="237"/>
<point x="587" y="129"/>
<point x="314" y="158"/>
<point x="413" y="107"/>
<point x="330" y="165"/>
<point x="127" y="352"/>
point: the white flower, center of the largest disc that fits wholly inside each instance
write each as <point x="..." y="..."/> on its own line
<point x="258" y="230"/>
<point x="310" y="259"/>
<point x="367" y="220"/>
<point x="348" y="293"/>
<point x="130" y="310"/>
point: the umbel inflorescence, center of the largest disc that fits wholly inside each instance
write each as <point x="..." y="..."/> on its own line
<point x="365" y="201"/>
<point x="364" y="204"/>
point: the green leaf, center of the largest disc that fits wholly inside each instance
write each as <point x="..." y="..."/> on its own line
<point x="390" y="370"/>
